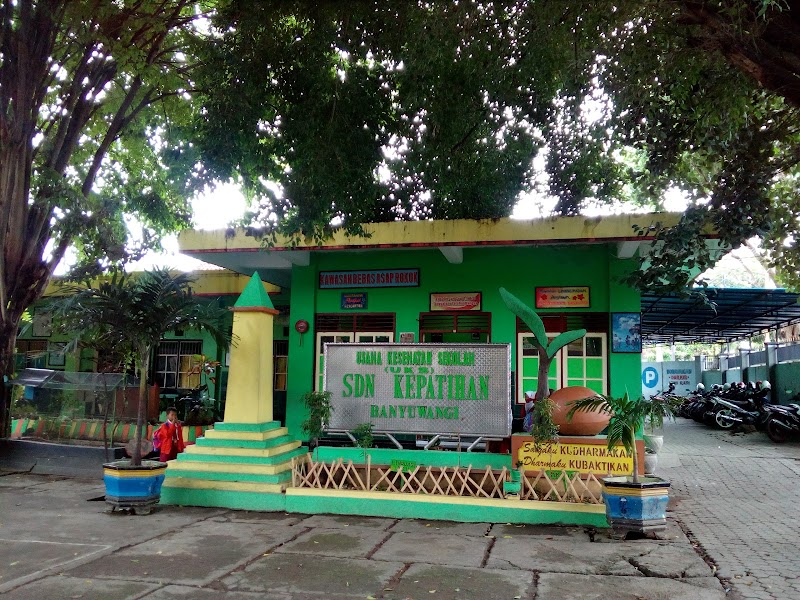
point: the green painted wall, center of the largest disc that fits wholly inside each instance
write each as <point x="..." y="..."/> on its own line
<point x="785" y="381"/>
<point x="484" y="269"/>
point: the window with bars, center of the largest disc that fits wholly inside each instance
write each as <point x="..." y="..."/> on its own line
<point x="31" y="353"/>
<point x="280" y="355"/>
<point x="175" y="361"/>
<point x="347" y="328"/>
<point x="455" y="322"/>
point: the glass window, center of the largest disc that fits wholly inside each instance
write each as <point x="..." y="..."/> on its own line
<point x="280" y="351"/>
<point x="594" y="346"/>
<point x="178" y="364"/>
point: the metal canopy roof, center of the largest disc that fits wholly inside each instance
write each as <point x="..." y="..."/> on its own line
<point x="729" y="314"/>
<point x="68" y="380"/>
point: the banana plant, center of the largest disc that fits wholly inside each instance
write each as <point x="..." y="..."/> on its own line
<point x="546" y="350"/>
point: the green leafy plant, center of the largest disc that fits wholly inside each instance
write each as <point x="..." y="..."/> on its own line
<point x="627" y="415"/>
<point x="364" y="437"/>
<point x="319" y="415"/>
<point x="543" y="428"/>
<point x="133" y="313"/>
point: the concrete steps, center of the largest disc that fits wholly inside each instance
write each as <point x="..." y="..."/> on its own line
<point x="235" y="464"/>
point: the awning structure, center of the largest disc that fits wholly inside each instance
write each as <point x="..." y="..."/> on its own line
<point x="727" y="314"/>
<point x="69" y="380"/>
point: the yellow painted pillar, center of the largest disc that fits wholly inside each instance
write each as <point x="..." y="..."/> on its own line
<point x="249" y="395"/>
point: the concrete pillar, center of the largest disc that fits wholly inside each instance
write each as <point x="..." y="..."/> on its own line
<point x="249" y="397"/>
<point x="744" y="361"/>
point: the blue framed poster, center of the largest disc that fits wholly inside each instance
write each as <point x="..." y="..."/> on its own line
<point x="626" y="332"/>
<point x="354" y="301"/>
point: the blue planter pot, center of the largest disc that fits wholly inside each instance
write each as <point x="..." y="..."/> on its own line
<point x="640" y="507"/>
<point x="138" y="488"/>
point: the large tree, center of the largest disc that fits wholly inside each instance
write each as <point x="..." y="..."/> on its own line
<point x="381" y="110"/>
<point x="92" y="102"/>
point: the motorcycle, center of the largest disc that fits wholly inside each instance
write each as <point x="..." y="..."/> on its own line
<point x="745" y="407"/>
<point x="782" y="422"/>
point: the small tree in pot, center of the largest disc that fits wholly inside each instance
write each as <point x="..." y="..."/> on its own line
<point x="135" y="312"/>
<point x="633" y="503"/>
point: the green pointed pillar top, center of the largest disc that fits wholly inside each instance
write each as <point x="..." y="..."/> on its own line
<point x="254" y="295"/>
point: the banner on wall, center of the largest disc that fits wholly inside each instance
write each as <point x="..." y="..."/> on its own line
<point x="563" y="297"/>
<point x="455" y="301"/>
<point x="369" y="278"/>
<point x="461" y="389"/>
<point x="656" y="376"/>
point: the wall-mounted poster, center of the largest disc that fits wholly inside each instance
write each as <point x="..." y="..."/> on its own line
<point x="56" y="354"/>
<point x="42" y="325"/>
<point x="563" y="296"/>
<point x="455" y="301"/>
<point x="626" y="332"/>
<point x="354" y="301"/>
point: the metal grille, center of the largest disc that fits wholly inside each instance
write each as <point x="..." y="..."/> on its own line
<point x="429" y="397"/>
<point x="174" y="363"/>
<point x="788" y="353"/>
<point x="351" y="323"/>
<point x="757" y="358"/>
<point x="464" y="322"/>
<point x="593" y="322"/>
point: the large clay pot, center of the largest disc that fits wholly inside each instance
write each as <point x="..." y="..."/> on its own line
<point x="583" y="422"/>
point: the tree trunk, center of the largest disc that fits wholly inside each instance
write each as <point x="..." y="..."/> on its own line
<point x="635" y="457"/>
<point x="8" y="341"/>
<point x="144" y="367"/>
<point x="542" y="386"/>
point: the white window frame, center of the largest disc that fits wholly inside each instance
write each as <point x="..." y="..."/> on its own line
<point x="560" y="361"/>
<point x="353" y="338"/>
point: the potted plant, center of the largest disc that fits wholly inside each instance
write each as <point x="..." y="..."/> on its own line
<point x="633" y="503"/>
<point x="134" y="313"/>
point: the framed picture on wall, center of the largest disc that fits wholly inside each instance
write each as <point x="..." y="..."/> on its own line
<point x="56" y="354"/>
<point x="626" y="332"/>
<point x="42" y="325"/>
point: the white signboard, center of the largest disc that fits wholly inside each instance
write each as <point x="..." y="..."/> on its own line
<point x="461" y="389"/>
<point x="656" y="376"/>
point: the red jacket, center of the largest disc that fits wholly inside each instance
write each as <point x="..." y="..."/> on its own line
<point x="170" y="437"/>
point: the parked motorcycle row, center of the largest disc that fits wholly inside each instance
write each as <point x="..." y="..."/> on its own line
<point x="738" y="404"/>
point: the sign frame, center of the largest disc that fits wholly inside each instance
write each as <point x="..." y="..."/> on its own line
<point x="354" y="301"/>
<point x="454" y="295"/>
<point x="445" y="416"/>
<point x="565" y="290"/>
<point x="569" y="454"/>
<point x="377" y="274"/>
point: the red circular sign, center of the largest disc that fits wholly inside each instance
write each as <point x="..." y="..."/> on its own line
<point x="301" y="326"/>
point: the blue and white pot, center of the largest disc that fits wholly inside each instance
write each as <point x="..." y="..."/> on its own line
<point x="138" y="488"/>
<point x="640" y="507"/>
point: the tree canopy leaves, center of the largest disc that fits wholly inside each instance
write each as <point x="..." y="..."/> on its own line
<point x="375" y="111"/>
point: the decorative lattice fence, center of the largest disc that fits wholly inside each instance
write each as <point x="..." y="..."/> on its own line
<point x="441" y="481"/>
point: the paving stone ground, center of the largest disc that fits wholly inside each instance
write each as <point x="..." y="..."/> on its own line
<point x="734" y="495"/>
<point x="737" y="496"/>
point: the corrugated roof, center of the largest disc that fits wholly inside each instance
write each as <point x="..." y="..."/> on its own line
<point x="727" y="314"/>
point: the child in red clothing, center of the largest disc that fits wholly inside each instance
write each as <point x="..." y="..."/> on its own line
<point x="169" y="437"/>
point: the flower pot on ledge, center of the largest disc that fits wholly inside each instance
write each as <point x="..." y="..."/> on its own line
<point x="137" y="488"/>
<point x="640" y="507"/>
